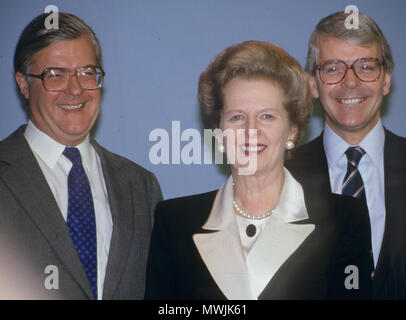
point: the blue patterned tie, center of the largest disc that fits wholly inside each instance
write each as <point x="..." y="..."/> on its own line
<point x="353" y="185"/>
<point x="81" y="219"/>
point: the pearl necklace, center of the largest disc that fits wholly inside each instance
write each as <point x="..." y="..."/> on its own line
<point x="246" y="215"/>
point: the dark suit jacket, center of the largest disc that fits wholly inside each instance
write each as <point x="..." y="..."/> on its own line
<point x="175" y="269"/>
<point x="34" y="235"/>
<point x="309" y="167"/>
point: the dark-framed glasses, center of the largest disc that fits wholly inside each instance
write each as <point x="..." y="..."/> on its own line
<point x="334" y="71"/>
<point x="57" y="79"/>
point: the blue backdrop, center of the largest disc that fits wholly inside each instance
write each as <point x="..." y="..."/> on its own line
<point x="155" y="50"/>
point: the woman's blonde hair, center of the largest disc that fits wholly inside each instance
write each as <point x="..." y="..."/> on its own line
<point x="253" y="59"/>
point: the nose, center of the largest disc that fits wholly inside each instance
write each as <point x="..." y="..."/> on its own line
<point x="350" y="80"/>
<point x="74" y="88"/>
<point x="252" y="129"/>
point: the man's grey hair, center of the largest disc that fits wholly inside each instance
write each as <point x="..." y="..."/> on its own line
<point x="367" y="34"/>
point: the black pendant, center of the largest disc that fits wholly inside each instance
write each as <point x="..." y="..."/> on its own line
<point x="251" y="230"/>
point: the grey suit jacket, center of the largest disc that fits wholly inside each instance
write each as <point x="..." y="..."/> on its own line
<point x="38" y="257"/>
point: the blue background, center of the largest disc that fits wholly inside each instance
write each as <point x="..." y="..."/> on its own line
<point x="155" y="50"/>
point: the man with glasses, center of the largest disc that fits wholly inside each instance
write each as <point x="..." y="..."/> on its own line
<point x="350" y="72"/>
<point x="74" y="217"/>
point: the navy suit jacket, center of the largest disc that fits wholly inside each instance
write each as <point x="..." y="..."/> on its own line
<point x="309" y="166"/>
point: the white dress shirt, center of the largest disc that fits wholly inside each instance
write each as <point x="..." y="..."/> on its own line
<point x="371" y="168"/>
<point x="56" y="167"/>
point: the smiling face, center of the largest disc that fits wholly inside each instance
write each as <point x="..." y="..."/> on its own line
<point x="351" y="107"/>
<point x="65" y="116"/>
<point x="256" y="104"/>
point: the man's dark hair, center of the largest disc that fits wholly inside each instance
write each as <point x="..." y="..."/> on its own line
<point x="36" y="37"/>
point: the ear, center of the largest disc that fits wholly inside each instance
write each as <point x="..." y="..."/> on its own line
<point x="313" y="86"/>
<point x="386" y="83"/>
<point x="23" y="84"/>
<point x="293" y="133"/>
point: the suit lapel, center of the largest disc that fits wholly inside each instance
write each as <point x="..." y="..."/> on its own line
<point x="280" y="238"/>
<point x="310" y="161"/>
<point x="277" y="243"/>
<point x="27" y="183"/>
<point x="121" y="204"/>
<point x="221" y="250"/>
<point x="293" y="279"/>
<point x="224" y="259"/>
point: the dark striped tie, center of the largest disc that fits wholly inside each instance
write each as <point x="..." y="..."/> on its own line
<point x="81" y="218"/>
<point x="353" y="185"/>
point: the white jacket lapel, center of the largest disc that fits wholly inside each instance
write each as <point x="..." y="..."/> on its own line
<point x="221" y="251"/>
<point x="280" y="238"/>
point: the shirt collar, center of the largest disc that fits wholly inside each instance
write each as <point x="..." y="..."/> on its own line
<point x="50" y="150"/>
<point x="291" y="205"/>
<point x="373" y="144"/>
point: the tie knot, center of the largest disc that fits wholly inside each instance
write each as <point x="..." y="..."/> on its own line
<point x="354" y="154"/>
<point x="73" y="154"/>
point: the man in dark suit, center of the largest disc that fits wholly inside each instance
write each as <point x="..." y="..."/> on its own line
<point x="75" y="219"/>
<point x="350" y="72"/>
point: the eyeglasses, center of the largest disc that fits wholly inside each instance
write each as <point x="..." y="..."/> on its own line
<point x="57" y="79"/>
<point x="334" y="71"/>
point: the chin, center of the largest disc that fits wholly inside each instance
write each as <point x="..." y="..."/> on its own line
<point x="75" y="133"/>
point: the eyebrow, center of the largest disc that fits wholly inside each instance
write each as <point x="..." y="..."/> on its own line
<point x="272" y="109"/>
<point x="86" y="66"/>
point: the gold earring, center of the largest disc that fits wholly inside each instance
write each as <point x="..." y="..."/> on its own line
<point x="289" y="144"/>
